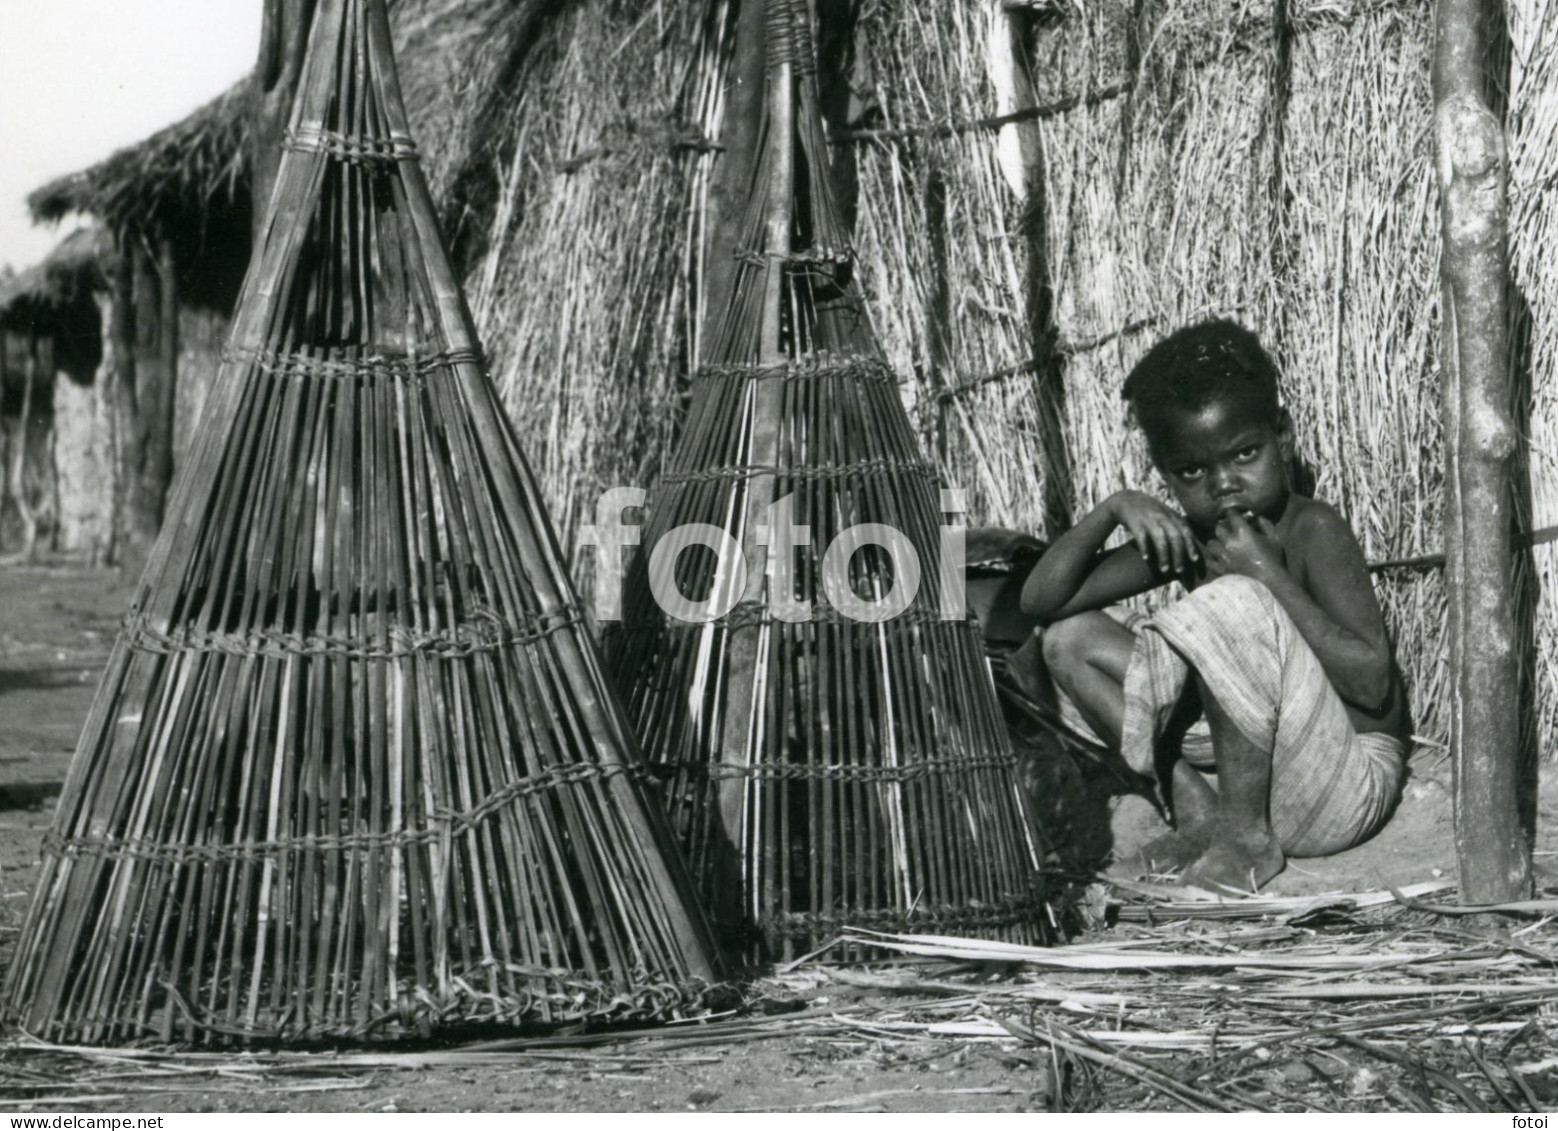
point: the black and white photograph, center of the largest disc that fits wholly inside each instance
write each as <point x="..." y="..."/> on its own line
<point x="778" y="556"/>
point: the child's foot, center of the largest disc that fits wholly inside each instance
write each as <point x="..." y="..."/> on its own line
<point x="1171" y="851"/>
<point x="1236" y="867"/>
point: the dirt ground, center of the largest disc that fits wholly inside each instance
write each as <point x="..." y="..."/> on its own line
<point x="56" y="626"/>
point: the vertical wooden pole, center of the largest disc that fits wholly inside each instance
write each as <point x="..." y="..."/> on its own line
<point x="938" y="335"/>
<point x="746" y="646"/>
<point x="150" y="384"/>
<point x="161" y="397"/>
<point x="127" y="440"/>
<point x="283" y="43"/>
<point x="16" y="470"/>
<point x="1480" y="441"/>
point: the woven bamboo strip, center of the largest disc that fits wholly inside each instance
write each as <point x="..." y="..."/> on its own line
<point x="354" y="768"/>
<point x="828" y="771"/>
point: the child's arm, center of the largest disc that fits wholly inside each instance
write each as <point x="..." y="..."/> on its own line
<point x="1338" y="615"/>
<point x="1074" y="575"/>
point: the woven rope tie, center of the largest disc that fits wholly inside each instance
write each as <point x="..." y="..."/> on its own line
<point x="800" y="23"/>
<point x="801" y="771"/>
<point x="749" y="615"/>
<point x="822" y="369"/>
<point x="755" y="614"/>
<point x="882" y="465"/>
<point x="779" y="34"/>
<point x="312" y="139"/>
<point x="409" y="370"/>
<point x="456" y="643"/>
<point x="821" y="256"/>
<point x="787" y="24"/>
<point x="442" y="823"/>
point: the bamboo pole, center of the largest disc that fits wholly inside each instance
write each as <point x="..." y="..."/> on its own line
<point x="767" y="409"/>
<point x="1480" y="437"/>
<point x="283" y="43"/>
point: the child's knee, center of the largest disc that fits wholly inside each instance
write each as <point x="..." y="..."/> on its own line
<point x="1073" y="641"/>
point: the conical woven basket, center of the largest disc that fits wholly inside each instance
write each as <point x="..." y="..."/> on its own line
<point x="845" y="765"/>
<point x="354" y="769"/>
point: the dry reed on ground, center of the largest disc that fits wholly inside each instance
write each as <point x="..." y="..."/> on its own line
<point x="1324" y="1012"/>
<point x="353" y="769"/>
<point x="828" y="766"/>
<point x="1325" y="1008"/>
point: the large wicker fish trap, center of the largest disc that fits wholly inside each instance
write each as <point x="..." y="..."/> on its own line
<point x="833" y="753"/>
<point x="354" y="769"/>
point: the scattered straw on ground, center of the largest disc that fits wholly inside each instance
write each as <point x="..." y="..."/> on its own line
<point x="1347" y="1002"/>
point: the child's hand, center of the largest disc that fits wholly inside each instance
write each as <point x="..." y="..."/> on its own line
<point x="1162" y="536"/>
<point x="1246" y="546"/>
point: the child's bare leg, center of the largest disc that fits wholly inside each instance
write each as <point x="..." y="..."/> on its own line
<point x="1242" y="853"/>
<point x="1087" y="656"/>
<point x="1194" y="805"/>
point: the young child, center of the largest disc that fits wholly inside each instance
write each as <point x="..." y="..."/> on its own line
<point x="1279" y="643"/>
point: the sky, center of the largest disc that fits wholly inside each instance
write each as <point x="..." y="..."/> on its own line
<point x="82" y="78"/>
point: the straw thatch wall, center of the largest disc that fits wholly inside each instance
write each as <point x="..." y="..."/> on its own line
<point x="1201" y="158"/>
<point x="586" y="297"/>
<point x="1268" y="159"/>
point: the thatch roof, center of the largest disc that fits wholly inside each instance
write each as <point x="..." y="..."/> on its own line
<point x="457" y="56"/>
<point x="62" y="279"/>
<point x="171" y="177"/>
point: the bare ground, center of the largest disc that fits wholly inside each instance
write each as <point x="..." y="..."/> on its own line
<point x="56" y="626"/>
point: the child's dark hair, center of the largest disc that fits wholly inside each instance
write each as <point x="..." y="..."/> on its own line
<point x="1200" y="365"/>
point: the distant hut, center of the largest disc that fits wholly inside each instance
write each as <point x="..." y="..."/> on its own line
<point x="58" y="430"/>
<point x="176" y="210"/>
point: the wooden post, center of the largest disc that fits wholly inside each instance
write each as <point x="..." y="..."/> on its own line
<point x="127" y="441"/>
<point x="766" y="410"/>
<point x="151" y="382"/>
<point x="283" y="44"/>
<point x="938" y="334"/>
<point x="1480" y="440"/>
<point x="16" y="462"/>
<point x="158" y="396"/>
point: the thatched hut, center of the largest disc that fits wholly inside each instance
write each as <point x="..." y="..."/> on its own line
<point x="1039" y="187"/>
<point x="57" y="429"/>
<point x="177" y="213"/>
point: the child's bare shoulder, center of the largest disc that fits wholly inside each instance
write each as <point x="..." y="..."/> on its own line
<point x="1316" y="533"/>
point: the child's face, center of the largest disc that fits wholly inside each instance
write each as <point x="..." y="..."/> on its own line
<point x="1222" y="457"/>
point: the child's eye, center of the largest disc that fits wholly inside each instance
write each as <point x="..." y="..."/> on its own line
<point x="1245" y="455"/>
<point x="1191" y="473"/>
